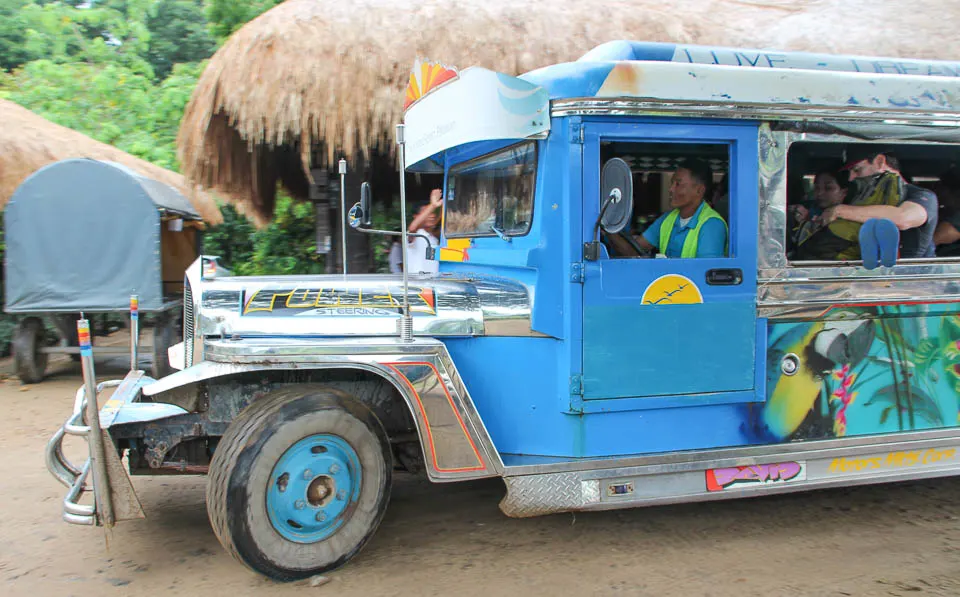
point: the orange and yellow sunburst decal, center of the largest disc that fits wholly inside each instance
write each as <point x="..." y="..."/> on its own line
<point x="424" y="78"/>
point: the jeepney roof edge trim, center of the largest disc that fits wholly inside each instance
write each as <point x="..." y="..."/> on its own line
<point x="650" y="106"/>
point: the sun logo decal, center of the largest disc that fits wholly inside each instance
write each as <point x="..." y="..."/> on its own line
<point x="424" y="78"/>
<point x="672" y="289"/>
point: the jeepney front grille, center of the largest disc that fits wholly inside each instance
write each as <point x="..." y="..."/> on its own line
<point x="188" y="323"/>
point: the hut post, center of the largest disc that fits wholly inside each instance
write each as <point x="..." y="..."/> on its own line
<point x="319" y="196"/>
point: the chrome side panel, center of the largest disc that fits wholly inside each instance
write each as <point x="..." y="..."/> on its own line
<point x="728" y="473"/>
<point x="455" y="442"/>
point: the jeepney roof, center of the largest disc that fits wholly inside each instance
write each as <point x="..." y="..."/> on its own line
<point x="704" y="75"/>
<point x="448" y="108"/>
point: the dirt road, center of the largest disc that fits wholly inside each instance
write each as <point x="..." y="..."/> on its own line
<point x="452" y="540"/>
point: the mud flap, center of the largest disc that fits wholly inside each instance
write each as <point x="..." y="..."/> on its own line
<point x="126" y="506"/>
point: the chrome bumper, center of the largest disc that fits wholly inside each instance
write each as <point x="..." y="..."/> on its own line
<point x="75" y="478"/>
<point x="113" y="498"/>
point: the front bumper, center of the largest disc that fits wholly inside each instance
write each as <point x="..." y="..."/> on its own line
<point x="113" y="494"/>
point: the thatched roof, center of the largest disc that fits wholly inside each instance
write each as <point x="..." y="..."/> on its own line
<point x="328" y="72"/>
<point x="29" y="142"/>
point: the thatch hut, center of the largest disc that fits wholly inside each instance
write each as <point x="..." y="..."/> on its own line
<point x="29" y="142"/>
<point x="312" y="80"/>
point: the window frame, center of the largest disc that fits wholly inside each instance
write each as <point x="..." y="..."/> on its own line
<point x="794" y="138"/>
<point x="729" y="159"/>
<point x="498" y="217"/>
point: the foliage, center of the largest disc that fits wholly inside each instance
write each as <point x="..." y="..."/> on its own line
<point x="178" y="35"/>
<point x="288" y="244"/>
<point x="226" y="16"/>
<point x="232" y="240"/>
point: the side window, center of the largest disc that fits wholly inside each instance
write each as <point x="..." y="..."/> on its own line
<point x="682" y="204"/>
<point x="833" y="188"/>
<point x="493" y="194"/>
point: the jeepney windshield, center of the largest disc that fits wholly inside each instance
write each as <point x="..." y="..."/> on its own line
<point x="492" y="194"/>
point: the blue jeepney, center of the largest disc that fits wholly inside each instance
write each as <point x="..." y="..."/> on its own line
<point x="550" y="350"/>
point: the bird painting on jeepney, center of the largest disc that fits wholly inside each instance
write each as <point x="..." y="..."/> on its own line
<point x="864" y="371"/>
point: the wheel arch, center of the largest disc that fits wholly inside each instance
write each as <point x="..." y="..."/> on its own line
<point x="453" y="442"/>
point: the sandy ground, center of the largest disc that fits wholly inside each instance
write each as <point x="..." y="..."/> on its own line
<point x="452" y="540"/>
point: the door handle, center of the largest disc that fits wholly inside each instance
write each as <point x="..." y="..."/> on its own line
<point x="725" y="277"/>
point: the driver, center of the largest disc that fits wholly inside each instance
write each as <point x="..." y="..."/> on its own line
<point x="693" y="228"/>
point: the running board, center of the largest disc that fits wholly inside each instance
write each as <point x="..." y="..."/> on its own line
<point x="781" y="472"/>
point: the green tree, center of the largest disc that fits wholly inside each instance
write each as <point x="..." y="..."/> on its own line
<point x="232" y="240"/>
<point x="109" y="102"/>
<point x="178" y="34"/>
<point x="13" y="50"/>
<point x="226" y="16"/>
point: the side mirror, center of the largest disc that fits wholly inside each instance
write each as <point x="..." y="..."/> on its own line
<point x="366" y="205"/>
<point x="616" y="210"/>
<point x="359" y="216"/>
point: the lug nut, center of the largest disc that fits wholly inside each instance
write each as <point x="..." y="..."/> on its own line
<point x="299" y="505"/>
<point x="341" y="495"/>
<point x="308" y="474"/>
<point x="334" y="469"/>
<point x="321" y="516"/>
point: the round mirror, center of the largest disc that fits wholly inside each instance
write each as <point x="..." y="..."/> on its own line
<point x="616" y="195"/>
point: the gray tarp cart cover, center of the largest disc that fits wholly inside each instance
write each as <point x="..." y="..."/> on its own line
<point x="84" y="235"/>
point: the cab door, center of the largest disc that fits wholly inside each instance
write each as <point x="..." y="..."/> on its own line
<point x="686" y="328"/>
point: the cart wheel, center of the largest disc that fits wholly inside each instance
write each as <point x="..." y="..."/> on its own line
<point x="163" y="336"/>
<point x="300" y="482"/>
<point x="30" y="363"/>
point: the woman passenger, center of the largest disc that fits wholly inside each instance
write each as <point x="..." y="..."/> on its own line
<point x="829" y="189"/>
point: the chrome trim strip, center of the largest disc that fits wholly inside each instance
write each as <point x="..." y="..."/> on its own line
<point x="620" y="106"/>
<point x="740" y="455"/>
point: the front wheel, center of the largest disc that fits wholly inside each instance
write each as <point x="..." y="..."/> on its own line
<point x="300" y="482"/>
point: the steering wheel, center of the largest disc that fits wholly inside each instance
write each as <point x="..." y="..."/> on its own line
<point x="623" y="245"/>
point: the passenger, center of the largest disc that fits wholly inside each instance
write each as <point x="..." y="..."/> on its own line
<point x="829" y="189"/>
<point x="947" y="234"/>
<point x="692" y="228"/>
<point x="916" y="214"/>
<point x="426" y="222"/>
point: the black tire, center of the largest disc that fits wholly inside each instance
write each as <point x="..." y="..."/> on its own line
<point x="29" y="362"/>
<point x="243" y="465"/>
<point x="163" y="338"/>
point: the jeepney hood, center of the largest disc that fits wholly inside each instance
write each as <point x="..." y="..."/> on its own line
<point x="359" y="305"/>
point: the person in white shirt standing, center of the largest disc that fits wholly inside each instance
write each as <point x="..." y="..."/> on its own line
<point x="395" y="258"/>
<point x="427" y="223"/>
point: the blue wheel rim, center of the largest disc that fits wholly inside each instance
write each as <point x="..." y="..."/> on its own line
<point x="313" y="488"/>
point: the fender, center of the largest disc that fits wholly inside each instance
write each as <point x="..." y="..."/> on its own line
<point x="455" y="443"/>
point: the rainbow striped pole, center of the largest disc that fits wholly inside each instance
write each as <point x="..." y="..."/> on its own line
<point x="134" y="330"/>
<point x="98" y="462"/>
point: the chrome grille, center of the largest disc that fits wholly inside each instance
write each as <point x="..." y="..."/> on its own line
<point x="188" y="323"/>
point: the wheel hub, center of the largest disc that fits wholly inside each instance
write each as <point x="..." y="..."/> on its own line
<point x="312" y="487"/>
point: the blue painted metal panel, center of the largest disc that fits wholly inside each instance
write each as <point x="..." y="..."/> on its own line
<point x="640" y="350"/>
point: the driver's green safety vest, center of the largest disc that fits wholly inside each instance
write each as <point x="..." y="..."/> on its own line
<point x="692" y="241"/>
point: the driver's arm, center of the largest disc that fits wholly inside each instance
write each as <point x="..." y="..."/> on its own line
<point x="644" y="242"/>
<point x="651" y="236"/>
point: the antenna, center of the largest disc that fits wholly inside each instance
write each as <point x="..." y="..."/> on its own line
<point x="343" y="213"/>
<point x="406" y="321"/>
